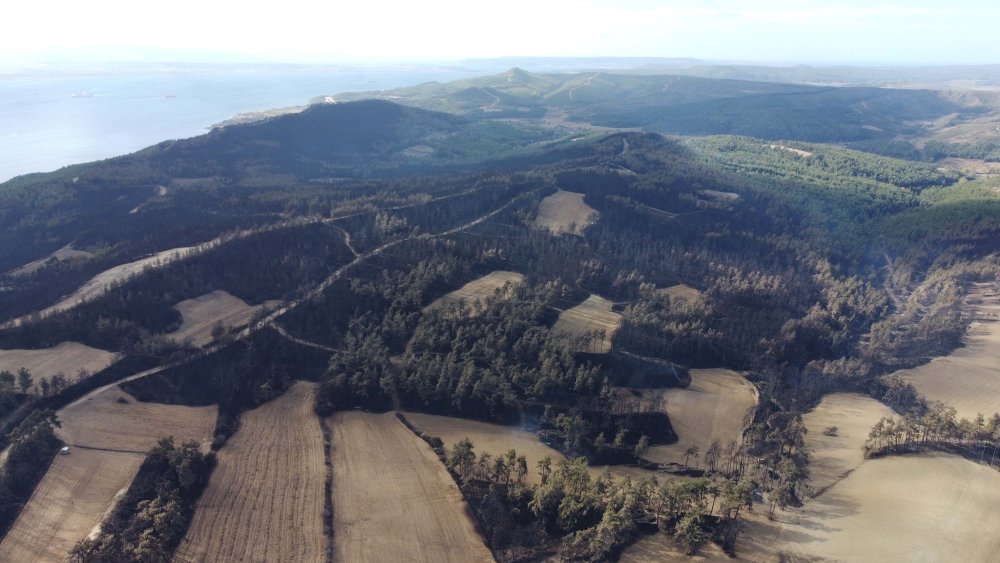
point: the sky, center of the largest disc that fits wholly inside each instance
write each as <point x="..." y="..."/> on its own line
<point x="338" y="31"/>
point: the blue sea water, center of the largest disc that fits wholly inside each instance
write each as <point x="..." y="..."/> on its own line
<point x="50" y="121"/>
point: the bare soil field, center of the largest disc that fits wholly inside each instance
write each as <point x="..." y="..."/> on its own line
<point x="265" y="499"/>
<point x="834" y="456"/>
<point x="968" y="378"/>
<point x="565" y="212"/>
<point x="68" y="504"/>
<point x="392" y="499"/>
<point x="67" y="358"/>
<point x="477" y="289"/>
<point x="713" y="407"/>
<point x="593" y="314"/>
<point x="115" y="420"/>
<point x="202" y="313"/>
<point x="64" y="253"/>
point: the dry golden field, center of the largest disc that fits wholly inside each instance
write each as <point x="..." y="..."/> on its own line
<point x="202" y="313"/>
<point x="495" y="439"/>
<point x="478" y="289"/>
<point x="924" y="508"/>
<point x="565" y="212"/>
<point x="265" y="499"/>
<point x="713" y="407"/>
<point x="68" y="504"/>
<point x="114" y="420"/>
<point x="392" y="499"/>
<point x="108" y="440"/>
<point x="593" y="314"/>
<point x="834" y="456"/>
<point x="968" y="378"/>
<point x="67" y="358"/>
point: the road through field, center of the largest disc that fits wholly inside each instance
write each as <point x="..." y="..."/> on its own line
<point x="392" y="499"/>
<point x="265" y="499"/>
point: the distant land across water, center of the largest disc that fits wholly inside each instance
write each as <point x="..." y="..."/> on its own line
<point x="53" y="119"/>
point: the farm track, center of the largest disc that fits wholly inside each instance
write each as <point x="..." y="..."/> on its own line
<point x="266" y="496"/>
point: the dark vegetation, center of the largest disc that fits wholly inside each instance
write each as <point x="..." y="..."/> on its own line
<point x="149" y="522"/>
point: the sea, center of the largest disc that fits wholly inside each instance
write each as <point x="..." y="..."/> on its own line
<point x="53" y="119"/>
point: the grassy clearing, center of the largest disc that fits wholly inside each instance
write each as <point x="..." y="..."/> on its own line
<point x="853" y="416"/>
<point x="265" y="499"/>
<point x="968" y="378"/>
<point x="202" y="313"/>
<point x="594" y="314"/>
<point x="393" y="500"/>
<point x="67" y="358"/>
<point x="478" y="289"/>
<point x="713" y="407"/>
<point x="565" y="212"/>
<point x="681" y="291"/>
<point x="69" y="504"/>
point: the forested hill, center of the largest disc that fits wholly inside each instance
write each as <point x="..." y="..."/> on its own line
<point x="344" y="232"/>
<point x="691" y="105"/>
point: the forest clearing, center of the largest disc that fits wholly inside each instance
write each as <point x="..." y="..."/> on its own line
<point x="68" y="504"/>
<point x="968" y="378"/>
<point x="371" y="484"/>
<point x="478" y="289"/>
<point x="681" y="291"/>
<point x="201" y="315"/>
<point x="713" y="407"/>
<point x="592" y="315"/>
<point x="265" y="499"/>
<point x="565" y="212"/>
<point x="837" y="452"/>
<point x="67" y="358"/>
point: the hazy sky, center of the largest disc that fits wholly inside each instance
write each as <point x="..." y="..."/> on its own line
<point x="958" y="31"/>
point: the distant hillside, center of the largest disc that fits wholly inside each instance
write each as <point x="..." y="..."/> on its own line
<point x="690" y="105"/>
